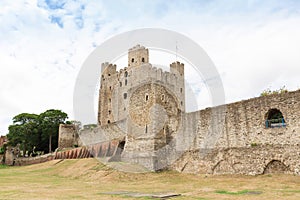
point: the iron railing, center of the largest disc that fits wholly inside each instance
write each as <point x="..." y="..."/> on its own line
<point x="275" y="123"/>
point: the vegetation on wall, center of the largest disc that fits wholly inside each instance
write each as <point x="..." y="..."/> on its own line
<point x="2" y="150"/>
<point x="268" y="91"/>
<point x="36" y="132"/>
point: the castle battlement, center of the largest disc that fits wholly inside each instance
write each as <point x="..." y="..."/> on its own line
<point x="117" y="86"/>
<point x="141" y="111"/>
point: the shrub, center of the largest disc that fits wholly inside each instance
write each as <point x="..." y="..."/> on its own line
<point x="267" y="92"/>
<point x="2" y="150"/>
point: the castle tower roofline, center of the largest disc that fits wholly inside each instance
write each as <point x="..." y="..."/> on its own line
<point x="136" y="47"/>
<point x="137" y="56"/>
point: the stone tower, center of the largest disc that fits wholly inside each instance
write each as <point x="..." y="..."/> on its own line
<point x="137" y="56"/>
<point x="117" y="86"/>
<point x="147" y="101"/>
<point x="109" y="78"/>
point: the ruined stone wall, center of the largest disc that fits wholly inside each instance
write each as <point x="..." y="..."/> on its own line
<point x="33" y="160"/>
<point x="240" y="127"/>
<point x="255" y="160"/>
<point x="68" y="136"/>
<point x="3" y="140"/>
<point x="115" y="130"/>
<point x="243" y="124"/>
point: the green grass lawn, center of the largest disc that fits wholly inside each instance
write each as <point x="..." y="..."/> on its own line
<point x="88" y="179"/>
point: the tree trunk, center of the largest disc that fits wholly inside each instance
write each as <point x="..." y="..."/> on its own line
<point x="24" y="149"/>
<point x="50" y="138"/>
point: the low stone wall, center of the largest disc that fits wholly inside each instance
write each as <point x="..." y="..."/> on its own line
<point x="33" y="160"/>
<point x="250" y="161"/>
<point x="1" y="159"/>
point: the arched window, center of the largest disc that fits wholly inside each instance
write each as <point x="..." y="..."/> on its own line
<point x="125" y="81"/>
<point x="125" y="95"/>
<point x="143" y="59"/>
<point x="274" y="118"/>
<point x="132" y="60"/>
<point x="126" y="73"/>
<point x="108" y="121"/>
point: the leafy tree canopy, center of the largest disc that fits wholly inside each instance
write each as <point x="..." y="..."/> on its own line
<point x="39" y="132"/>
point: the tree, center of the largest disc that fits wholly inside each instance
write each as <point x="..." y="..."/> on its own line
<point x="49" y="122"/>
<point x="39" y="132"/>
<point x="23" y="131"/>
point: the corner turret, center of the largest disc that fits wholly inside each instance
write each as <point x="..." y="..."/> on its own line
<point x="137" y="56"/>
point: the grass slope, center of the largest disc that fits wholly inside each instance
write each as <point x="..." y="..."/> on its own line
<point x="88" y="179"/>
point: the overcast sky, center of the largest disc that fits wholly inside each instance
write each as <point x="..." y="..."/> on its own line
<point x="254" y="44"/>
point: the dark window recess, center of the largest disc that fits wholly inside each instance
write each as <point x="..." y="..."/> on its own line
<point x="146" y="129"/>
<point x="125" y="81"/>
<point x="162" y="97"/>
<point x="181" y="103"/>
<point x="274" y="119"/>
<point x="143" y="59"/>
<point x="147" y="97"/>
<point x="109" y="99"/>
<point x="120" y="84"/>
<point x="132" y="60"/>
<point x="125" y="95"/>
<point x="126" y="74"/>
<point x="109" y="87"/>
<point x="108" y="121"/>
<point x="180" y="90"/>
<point x="108" y="74"/>
<point x="109" y="112"/>
<point x="120" y="148"/>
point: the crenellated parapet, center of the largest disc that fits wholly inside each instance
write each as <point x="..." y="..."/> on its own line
<point x="117" y="86"/>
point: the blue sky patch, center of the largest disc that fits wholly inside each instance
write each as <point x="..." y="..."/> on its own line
<point x="57" y="20"/>
<point x="55" y="4"/>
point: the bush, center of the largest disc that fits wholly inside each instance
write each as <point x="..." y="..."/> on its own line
<point x="2" y="150"/>
<point x="267" y="92"/>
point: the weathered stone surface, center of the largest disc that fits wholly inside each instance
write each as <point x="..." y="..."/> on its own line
<point x="33" y="160"/>
<point x="241" y="160"/>
<point x="68" y="136"/>
<point x="143" y="107"/>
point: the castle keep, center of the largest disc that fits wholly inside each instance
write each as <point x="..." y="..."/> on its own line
<point x="142" y="120"/>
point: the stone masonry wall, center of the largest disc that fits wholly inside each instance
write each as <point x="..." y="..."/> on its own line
<point x="68" y="136"/>
<point x="242" y="124"/>
<point x="240" y="128"/>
